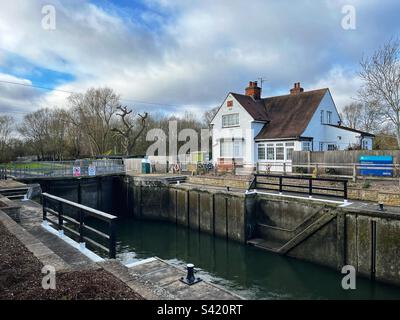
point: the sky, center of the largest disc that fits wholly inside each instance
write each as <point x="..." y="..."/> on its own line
<point x="181" y="55"/>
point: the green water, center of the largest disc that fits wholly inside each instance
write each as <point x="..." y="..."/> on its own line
<point x="250" y="272"/>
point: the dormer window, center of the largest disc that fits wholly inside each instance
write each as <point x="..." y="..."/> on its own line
<point x="230" y="120"/>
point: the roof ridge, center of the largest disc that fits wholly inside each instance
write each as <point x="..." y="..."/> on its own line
<point x="282" y="95"/>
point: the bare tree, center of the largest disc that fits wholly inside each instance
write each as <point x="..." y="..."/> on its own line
<point x="128" y="128"/>
<point x="6" y="123"/>
<point x="362" y="116"/>
<point x="351" y="115"/>
<point x="381" y="76"/>
<point x="34" y="128"/>
<point x="209" y="116"/>
<point x="46" y="132"/>
<point x="94" y="113"/>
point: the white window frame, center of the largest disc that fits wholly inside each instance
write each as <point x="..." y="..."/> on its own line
<point x="230" y="120"/>
<point x="261" y="146"/>
<point x="331" y="147"/>
<point x="269" y="147"/>
<point x="231" y="148"/>
<point x="281" y="153"/>
<point x="329" y="117"/>
<point x="276" y="151"/>
<point x="306" y="146"/>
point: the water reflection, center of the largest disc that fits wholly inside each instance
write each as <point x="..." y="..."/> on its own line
<point x="248" y="271"/>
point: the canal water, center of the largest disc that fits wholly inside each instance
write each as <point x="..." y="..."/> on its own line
<point x="248" y="271"/>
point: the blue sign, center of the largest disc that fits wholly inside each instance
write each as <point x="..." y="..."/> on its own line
<point x="376" y="161"/>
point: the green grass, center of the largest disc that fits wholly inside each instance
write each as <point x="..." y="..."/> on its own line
<point x="33" y="165"/>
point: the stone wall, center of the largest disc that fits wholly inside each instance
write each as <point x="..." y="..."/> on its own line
<point x="236" y="183"/>
<point x="386" y="197"/>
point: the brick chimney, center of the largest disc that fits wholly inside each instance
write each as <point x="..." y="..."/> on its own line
<point x="296" y="89"/>
<point x="253" y="90"/>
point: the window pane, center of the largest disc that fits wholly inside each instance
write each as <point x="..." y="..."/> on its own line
<point x="237" y="149"/>
<point x="289" y="153"/>
<point x="280" y="153"/>
<point x="306" y="146"/>
<point x="226" y="149"/>
<point x="230" y="120"/>
<point x="261" y="152"/>
<point x="331" y="147"/>
<point x="270" y="153"/>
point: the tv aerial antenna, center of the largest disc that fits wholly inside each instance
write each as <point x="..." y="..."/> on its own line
<point x="261" y="81"/>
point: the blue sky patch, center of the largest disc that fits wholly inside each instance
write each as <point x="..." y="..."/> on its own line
<point x="19" y="67"/>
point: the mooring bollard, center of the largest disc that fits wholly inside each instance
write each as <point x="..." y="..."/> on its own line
<point x="190" y="278"/>
<point x="381" y="206"/>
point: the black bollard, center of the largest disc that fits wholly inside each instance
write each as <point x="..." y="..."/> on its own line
<point x="190" y="278"/>
<point x="381" y="206"/>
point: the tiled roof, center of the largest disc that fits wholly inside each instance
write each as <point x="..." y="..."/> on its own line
<point x="286" y="116"/>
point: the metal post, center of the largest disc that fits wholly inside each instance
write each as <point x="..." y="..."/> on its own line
<point x="43" y="207"/>
<point x="60" y="219"/>
<point x="190" y="278"/>
<point x="112" y="244"/>
<point x="284" y="168"/>
<point x="310" y="187"/>
<point x="345" y="190"/>
<point x="79" y="193"/>
<point x="81" y="224"/>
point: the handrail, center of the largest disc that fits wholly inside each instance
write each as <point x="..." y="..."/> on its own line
<point x="93" y="212"/>
<point x="310" y="186"/>
<point x="83" y="211"/>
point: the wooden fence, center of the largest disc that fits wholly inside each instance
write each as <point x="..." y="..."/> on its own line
<point x="341" y="157"/>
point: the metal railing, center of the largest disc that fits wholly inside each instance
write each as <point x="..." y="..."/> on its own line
<point x="77" y="168"/>
<point x="72" y="219"/>
<point x="311" y="186"/>
<point x="341" y="170"/>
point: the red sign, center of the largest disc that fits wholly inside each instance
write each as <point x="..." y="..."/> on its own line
<point x="229" y="103"/>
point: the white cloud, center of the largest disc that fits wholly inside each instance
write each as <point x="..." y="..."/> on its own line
<point x="192" y="53"/>
<point x="343" y="84"/>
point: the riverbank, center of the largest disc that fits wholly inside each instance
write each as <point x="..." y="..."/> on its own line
<point x="21" y="278"/>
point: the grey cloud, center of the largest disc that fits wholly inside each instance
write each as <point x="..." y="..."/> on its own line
<point x="203" y="50"/>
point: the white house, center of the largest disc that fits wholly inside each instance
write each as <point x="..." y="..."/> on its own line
<point x="250" y="129"/>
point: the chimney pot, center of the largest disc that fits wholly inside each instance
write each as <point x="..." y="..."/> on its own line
<point x="253" y="90"/>
<point x="296" y="89"/>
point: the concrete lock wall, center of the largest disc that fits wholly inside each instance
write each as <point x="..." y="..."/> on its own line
<point x="373" y="246"/>
<point x="102" y="193"/>
<point x="218" y="213"/>
<point x="368" y="241"/>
